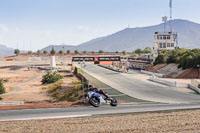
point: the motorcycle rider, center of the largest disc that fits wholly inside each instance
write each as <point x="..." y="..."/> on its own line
<point x="91" y="88"/>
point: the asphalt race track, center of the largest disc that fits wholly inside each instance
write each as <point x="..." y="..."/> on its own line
<point x="137" y="88"/>
<point x="51" y="113"/>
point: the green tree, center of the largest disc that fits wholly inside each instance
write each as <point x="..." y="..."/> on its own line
<point x="159" y="59"/>
<point x="2" y="88"/>
<point x="17" y="52"/>
<point x="147" y="50"/>
<point x="124" y="52"/>
<point x="76" y="51"/>
<point x="93" y="52"/>
<point x="45" y="52"/>
<point x="53" y="51"/>
<point x="68" y="51"/>
<point x="61" y="52"/>
<point x="30" y="52"/>
<point x="117" y="52"/>
<point x="85" y="52"/>
<point x="138" y="51"/>
<point x="38" y="52"/>
<point x="101" y="51"/>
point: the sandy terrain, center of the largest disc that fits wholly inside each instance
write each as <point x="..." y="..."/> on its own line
<point x="183" y="122"/>
<point x="23" y="85"/>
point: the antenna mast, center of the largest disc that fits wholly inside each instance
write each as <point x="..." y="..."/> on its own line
<point x="170" y="5"/>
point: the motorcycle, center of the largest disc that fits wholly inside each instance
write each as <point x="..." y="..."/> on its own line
<point x="98" y="97"/>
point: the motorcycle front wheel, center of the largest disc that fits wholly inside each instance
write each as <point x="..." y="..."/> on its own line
<point x="113" y="102"/>
<point x="94" y="101"/>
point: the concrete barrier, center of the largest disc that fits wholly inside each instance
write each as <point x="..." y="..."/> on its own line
<point x="168" y="83"/>
<point x="152" y="73"/>
<point x="196" y="89"/>
<point x="5" y="103"/>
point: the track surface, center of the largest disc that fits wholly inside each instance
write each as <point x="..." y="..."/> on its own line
<point x="50" y="113"/>
<point x="137" y="88"/>
<point x="123" y="83"/>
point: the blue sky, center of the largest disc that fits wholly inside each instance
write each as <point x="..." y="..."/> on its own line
<point x="34" y="24"/>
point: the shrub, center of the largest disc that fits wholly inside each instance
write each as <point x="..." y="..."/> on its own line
<point x="51" y="78"/>
<point x="159" y="59"/>
<point x="0" y="98"/>
<point x="2" y="88"/>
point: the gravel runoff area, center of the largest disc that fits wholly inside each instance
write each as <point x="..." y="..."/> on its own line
<point x="183" y="121"/>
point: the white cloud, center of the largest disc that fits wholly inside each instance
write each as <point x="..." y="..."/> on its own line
<point x="83" y="27"/>
<point x="3" y="28"/>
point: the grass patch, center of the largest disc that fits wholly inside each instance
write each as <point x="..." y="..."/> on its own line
<point x="55" y="86"/>
<point x="71" y="93"/>
<point x="2" y="88"/>
<point x="75" y="82"/>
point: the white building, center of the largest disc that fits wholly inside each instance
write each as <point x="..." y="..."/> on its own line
<point x="164" y="41"/>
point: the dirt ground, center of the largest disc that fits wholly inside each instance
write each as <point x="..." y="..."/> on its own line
<point x="23" y="84"/>
<point x="176" y="122"/>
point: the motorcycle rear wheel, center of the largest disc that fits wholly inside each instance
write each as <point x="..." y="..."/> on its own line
<point x="94" y="101"/>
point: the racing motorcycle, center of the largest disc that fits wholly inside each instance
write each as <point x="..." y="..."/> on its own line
<point x="98" y="97"/>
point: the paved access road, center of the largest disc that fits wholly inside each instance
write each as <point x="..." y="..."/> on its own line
<point x="137" y="88"/>
<point x="51" y="113"/>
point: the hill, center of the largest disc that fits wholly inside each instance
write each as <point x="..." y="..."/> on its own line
<point x="5" y="51"/>
<point x="131" y="38"/>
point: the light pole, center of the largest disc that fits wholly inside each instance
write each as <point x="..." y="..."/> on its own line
<point x="82" y="63"/>
<point x="63" y="58"/>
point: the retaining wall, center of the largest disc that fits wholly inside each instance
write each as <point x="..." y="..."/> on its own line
<point x="152" y="73"/>
<point x="168" y="83"/>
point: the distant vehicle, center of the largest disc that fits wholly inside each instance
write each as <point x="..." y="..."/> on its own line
<point x="98" y="97"/>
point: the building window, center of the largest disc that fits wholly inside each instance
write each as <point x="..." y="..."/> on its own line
<point x="164" y="37"/>
<point x="160" y="45"/>
<point x="164" y="45"/>
<point x="168" y="44"/>
<point x="168" y="37"/>
<point x="172" y="45"/>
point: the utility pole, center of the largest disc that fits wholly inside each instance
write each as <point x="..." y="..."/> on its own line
<point x="170" y="5"/>
<point x="198" y="66"/>
<point x="63" y="58"/>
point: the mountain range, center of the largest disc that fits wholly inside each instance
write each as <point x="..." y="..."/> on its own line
<point x="130" y="39"/>
<point x="5" y="51"/>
